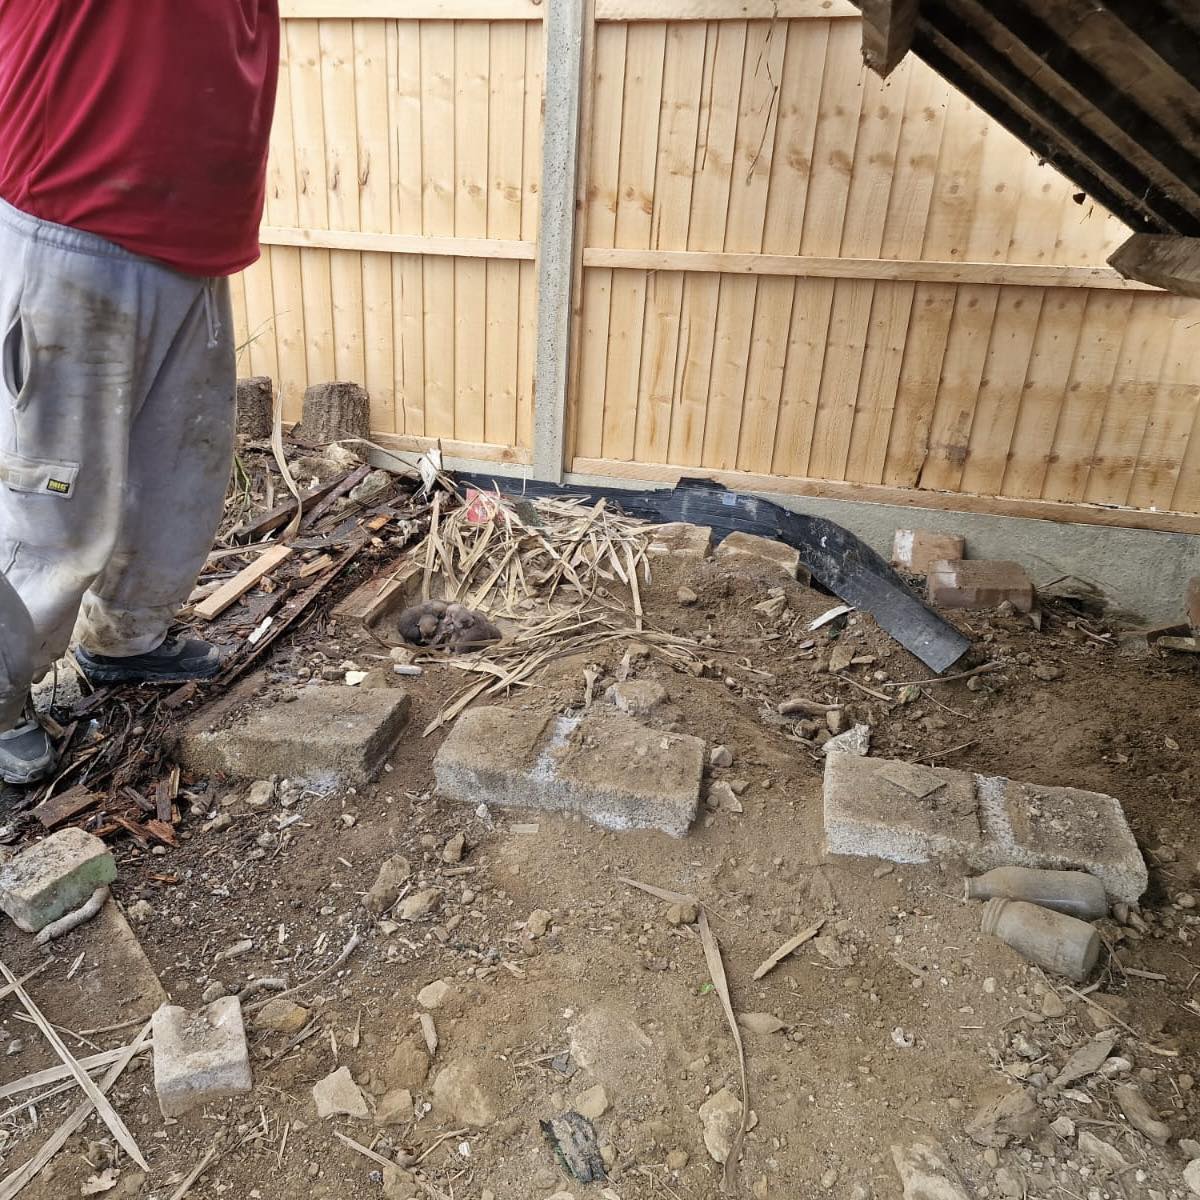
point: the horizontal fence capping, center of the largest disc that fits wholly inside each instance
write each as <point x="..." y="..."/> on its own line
<point x="479" y="451"/>
<point x="902" y="497"/>
<point x="413" y="10"/>
<point x="722" y="10"/>
<point x="909" y="270"/>
<point x="398" y="243"/>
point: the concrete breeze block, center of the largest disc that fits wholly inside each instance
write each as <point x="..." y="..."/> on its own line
<point x="979" y="583"/>
<point x="54" y="877"/>
<point x="749" y="546"/>
<point x="885" y="808"/>
<point x="916" y="550"/>
<point x="199" y="1056"/>
<point x="328" y="735"/>
<point x="605" y="765"/>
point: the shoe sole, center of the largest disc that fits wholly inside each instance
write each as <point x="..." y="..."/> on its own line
<point x="103" y="674"/>
<point x="32" y="775"/>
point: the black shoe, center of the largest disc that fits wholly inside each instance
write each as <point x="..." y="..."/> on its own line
<point x="176" y="659"/>
<point x="26" y="752"/>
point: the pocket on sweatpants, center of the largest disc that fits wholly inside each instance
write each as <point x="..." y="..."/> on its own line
<point x="38" y="476"/>
<point x="15" y="359"/>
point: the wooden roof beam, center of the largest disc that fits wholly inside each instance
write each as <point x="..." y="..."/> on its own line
<point x="887" y="32"/>
<point x="1167" y="262"/>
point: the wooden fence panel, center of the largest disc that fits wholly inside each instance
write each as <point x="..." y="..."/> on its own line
<point x="401" y="222"/>
<point x="793" y="269"/>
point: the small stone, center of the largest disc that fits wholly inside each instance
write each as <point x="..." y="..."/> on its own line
<point x="1063" y="1127"/>
<point x="1191" y="1176"/>
<point x="14" y="1047"/>
<point x="720" y="756"/>
<point x="829" y="1178"/>
<point x="637" y="697"/>
<point x="281" y="1015"/>
<point x="686" y="596"/>
<point x="926" y="1172"/>
<point x="260" y="795"/>
<point x="1045" y="672"/>
<point x="375" y="484"/>
<point x="683" y="914"/>
<point x="593" y="1103"/>
<point x="455" y="848"/>
<point x="1053" y="1005"/>
<point x="537" y="924"/>
<point x="721" y="1116"/>
<point x="853" y="741"/>
<point x="1013" y="1115"/>
<point x="1101" y="1151"/>
<point x="1140" y="1115"/>
<point x="835" y="720"/>
<point x="214" y="991"/>
<point x="384" y="892"/>
<point x="395" y="1107"/>
<point x="408" y="1066"/>
<point x="459" y="1092"/>
<point x="218" y="823"/>
<point x="1185" y="1084"/>
<point x="435" y="994"/>
<point x="338" y="1095"/>
<point x="1189" y="1147"/>
<point x="139" y="911"/>
<point x="677" y="1160"/>
<point x="420" y="904"/>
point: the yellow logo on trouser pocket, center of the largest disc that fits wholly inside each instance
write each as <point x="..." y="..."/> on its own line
<point x="58" y="485"/>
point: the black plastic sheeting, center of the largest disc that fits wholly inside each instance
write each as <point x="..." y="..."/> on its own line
<point x="838" y="560"/>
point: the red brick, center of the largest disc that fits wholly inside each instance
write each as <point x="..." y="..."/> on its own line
<point x="916" y="550"/>
<point x="979" y="583"/>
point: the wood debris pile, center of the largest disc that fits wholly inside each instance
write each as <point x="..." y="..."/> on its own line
<point x="560" y="576"/>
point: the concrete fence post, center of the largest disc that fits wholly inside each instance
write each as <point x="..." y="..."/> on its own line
<point x="563" y="33"/>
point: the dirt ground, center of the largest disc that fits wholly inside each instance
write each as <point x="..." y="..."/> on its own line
<point x="895" y="1025"/>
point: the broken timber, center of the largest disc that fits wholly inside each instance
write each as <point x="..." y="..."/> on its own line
<point x="1172" y="263"/>
<point x="235" y="588"/>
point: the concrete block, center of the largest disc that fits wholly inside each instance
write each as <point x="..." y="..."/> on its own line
<point x="637" y="697"/>
<point x="977" y="583"/>
<point x="750" y="547"/>
<point x="328" y="736"/>
<point x="681" y="540"/>
<point x="604" y="765"/>
<point x="895" y="810"/>
<point x="916" y="550"/>
<point x="53" y="877"/>
<point x="199" y="1056"/>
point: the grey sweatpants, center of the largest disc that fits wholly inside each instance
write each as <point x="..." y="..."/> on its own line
<point x="117" y="379"/>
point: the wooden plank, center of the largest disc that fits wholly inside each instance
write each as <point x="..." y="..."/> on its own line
<point x="1135" y="389"/>
<point x="764" y="374"/>
<point x="728" y="377"/>
<point x="312" y="200"/>
<point x="812" y="306"/>
<point x="1045" y="389"/>
<point x="438" y="184"/>
<point x="531" y="183"/>
<point x="826" y="267"/>
<point x="600" y="227"/>
<point x="415" y="10"/>
<point x="471" y="451"/>
<point x="722" y="10"/>
<point x="903" y="497"/>
<point x="1089" y="385"/>
<point x="929" y="325"/>
<point x="679" y="115"/>
<point x="1172" y="418"/>
<point x="235" y="588"/>
<point x="262" y="350"/>
<point x="841" y="372"/>
<point x="401" y="243"/>
<point x="340" y="123"/>
<point x="799" y="102"/>
<point x="375" y="216"/>
<point x="502" y="284"/>
<point x="57" y="809"/>
<point x="241" y="326"/>
<point x="645" y="50"/>
<point x="406" y="178"/>
<point x="471" y="137"/>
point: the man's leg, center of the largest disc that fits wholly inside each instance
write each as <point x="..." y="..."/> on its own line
<point x="69" y="353"/>
<point x="181" y="451"/>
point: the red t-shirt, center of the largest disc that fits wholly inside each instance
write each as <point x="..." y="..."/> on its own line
<point x="143" y="121"/>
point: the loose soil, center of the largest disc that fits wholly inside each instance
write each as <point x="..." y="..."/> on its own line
<point x="897" y="1023"/>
